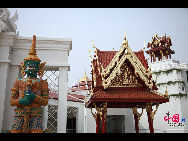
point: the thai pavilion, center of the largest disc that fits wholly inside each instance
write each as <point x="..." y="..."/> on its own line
<point x="122" y="79"/>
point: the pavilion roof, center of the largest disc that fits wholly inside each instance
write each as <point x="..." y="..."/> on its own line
<point x="105" y="57"/>
<point x="108" y="64"/>
<point x="160" y="48"/>
<point x="120" y="77"/>
<point x="130" y="96"/>
<point x="160" y="43"/>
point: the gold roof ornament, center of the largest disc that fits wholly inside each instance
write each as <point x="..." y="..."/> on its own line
<point x="85" y="78"/>
<point x="166" y="92"/>
<point x="125" y="41"/>
<point x="32" y="52"/>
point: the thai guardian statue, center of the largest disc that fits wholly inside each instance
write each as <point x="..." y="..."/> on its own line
<point x="29" y="94"/>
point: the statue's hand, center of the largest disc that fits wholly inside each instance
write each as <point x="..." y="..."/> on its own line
<point x="30" y="96"/>
<point x="25" y="101"/>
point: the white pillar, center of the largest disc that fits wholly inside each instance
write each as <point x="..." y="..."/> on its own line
<point x="3" y="79"/>
<point x="62" y="100"/>
<point x="8" y="114"/>
<point x="7" y="41"/>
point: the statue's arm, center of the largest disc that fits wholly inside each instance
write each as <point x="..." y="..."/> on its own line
<point x="43" y="99"/>
<point x="14" y="101"/>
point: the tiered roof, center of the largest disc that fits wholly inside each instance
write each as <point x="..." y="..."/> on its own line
<point x="122" y="76"/>
<point x="108" y="64"/>
<point x="160" y="43"/>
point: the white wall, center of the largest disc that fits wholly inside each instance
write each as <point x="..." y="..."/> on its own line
<point x="176" y="105"/>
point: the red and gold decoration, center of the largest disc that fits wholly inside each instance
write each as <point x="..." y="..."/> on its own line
<point x="122" y="79"/>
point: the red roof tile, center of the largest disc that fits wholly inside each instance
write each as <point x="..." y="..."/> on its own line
<point x="125" y="98"/>
<point x="75" y="98"/>
<point x="70" y="97"/>
<point x="83" y="88"/>
<point x="126" y="94"/>
<point x="105" y="57"/>
<point x="53" y="95"/>
<point x="160" y="48"/>
<point x="141" y="57"/>
<point x="165" y="41"/>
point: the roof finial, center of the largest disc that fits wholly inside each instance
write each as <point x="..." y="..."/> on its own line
<point x="166" y="92"/>
<point x="89" y="53"/>
<point x="85" y="71"/>
<point x="93" y="44"/>
<point x="144" y="46"/>
<point x="124" y="41"/>
<point x="125" y="35"/>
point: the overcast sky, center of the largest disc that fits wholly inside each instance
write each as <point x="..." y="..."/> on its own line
<point x="106" y="26"/>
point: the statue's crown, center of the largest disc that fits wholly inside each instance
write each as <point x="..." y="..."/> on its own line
<point x="32" y="52"/>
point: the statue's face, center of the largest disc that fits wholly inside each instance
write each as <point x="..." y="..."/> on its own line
<point x="32" y="67"/>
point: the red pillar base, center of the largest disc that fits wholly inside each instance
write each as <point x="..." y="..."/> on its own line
<point x="103" y="122"/>
<point x="150" y="121"/>
<point x="97" y="123"/>
<point x="136" y="123"/>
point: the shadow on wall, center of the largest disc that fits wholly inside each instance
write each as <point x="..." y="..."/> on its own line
<point x="184" y="103"/>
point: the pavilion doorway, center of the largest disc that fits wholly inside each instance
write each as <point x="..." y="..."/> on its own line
<point x="114" y="124"/>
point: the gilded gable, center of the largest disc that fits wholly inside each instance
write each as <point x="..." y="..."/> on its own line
<point x="125" y="79"/>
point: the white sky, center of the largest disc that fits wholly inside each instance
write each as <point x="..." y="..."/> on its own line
<point x="106" y="26"/>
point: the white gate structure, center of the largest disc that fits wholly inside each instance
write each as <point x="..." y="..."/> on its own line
<point x="53" y="51"/>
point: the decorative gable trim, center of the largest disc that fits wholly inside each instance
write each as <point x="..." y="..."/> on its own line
<point x="113" y="69"/>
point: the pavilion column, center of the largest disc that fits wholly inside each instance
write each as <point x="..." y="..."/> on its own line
<point x="166" y="54"/>
<point x="97" y="123"/>
<point x="104" y="113"/>
<point x="136" y="123"/>
<point x="137" y="118"/>
<point x="154" y="58"/>
<point x="150" y="120"/>
<point x="159" y="58"/>
<point x="103" y="122"/>
<point x="161" y="55"/>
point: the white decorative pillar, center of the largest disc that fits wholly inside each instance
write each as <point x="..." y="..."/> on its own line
<point x="62" y="100"/>
<point x="8" y="114"/>
<point x="3" y="79"/>
<point x="7" y="41"/>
